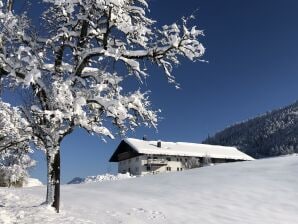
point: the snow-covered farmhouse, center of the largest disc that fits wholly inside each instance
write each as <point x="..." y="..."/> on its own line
<point x="140" y="157"/>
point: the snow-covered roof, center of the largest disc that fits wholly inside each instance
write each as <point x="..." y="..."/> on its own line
<point x="186" y="149"/>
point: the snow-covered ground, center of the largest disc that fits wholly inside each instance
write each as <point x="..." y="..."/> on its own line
<point x="100" y="178"/>
<point x="255" y="192"/>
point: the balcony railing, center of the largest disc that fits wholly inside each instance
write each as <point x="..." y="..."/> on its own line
<point x="156" y="162"/>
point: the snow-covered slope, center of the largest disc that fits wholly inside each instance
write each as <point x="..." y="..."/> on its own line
<point x="254" y="192"/>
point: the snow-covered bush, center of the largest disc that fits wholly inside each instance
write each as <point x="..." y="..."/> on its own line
<point x="14" y="167"/>
<point x="206" y="160"/>
<point x="15" y="136"/>
<point x="192" y="163"/>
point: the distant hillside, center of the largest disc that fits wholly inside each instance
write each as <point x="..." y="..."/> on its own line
<point x="272" y="134"/>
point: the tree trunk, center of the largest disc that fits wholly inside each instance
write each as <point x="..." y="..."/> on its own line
<point x="53" y="185"/>
<point x="10" y="5"/>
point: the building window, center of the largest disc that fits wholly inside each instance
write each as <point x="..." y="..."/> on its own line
<point x="181" y="169"/>
<point x="148" y="157"/>
<point x="137" y="169"/>
<point x="178" y="168"/>
<point x="168" y="168"/>
<point x="177" y="159"/>
<point x="185" y="160"/>
<point x="148" y="168"/>
<point x="169" y="158"/>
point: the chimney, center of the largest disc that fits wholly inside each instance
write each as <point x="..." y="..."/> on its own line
<point x="159" y="144"/>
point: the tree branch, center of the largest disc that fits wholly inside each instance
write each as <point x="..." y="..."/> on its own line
<point x="83" y="35"/>
<point x="108" y="29"/>
<point x="11" y="144"/>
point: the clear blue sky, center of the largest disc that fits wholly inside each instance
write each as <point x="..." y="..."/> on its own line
<point x="252" y="49"/>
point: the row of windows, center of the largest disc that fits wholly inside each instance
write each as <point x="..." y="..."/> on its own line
<point x="199" y="159"/>
<point x="168" y="159"/>
<point x="178" y="168"/>
<point x="148" y="168"/>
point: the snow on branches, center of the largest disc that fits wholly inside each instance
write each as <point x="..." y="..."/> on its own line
<point x="15" y="135"/>
<point x="17" y="59"/>
<point x="74" y="68"/>
<point x="14" y="129"/>
<point x="120" y="30"/>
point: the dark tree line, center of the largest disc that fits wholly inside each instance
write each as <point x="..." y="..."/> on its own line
<point x="272" y="134"/>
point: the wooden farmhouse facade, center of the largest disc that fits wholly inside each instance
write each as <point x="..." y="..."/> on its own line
<point x="139" y="157"/>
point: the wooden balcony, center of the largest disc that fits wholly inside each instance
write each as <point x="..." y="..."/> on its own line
<point x="156" y="162"/>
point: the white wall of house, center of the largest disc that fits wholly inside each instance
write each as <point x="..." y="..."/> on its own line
<point x="145" y="164"/>
<point x="132" y="165"/>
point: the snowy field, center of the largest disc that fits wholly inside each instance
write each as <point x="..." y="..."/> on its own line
<point x="255" y="192"/>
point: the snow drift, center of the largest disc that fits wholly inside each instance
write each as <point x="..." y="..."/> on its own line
<point x="100" y="178"/>
<point x="32" y="182"/>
